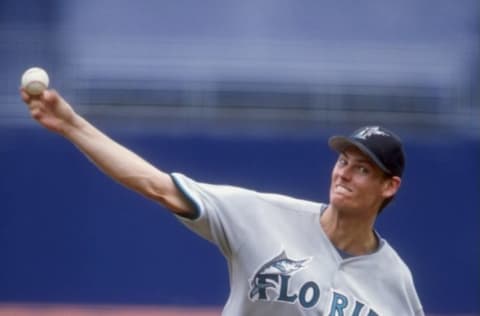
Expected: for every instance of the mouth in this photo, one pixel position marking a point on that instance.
(340, 188)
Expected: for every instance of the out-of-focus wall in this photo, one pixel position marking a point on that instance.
(411, 63)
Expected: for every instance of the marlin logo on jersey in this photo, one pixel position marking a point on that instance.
(369, 131)
(275, 275)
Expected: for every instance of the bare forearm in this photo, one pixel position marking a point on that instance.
(116, 161)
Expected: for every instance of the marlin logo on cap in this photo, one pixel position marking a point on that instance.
(369, 131)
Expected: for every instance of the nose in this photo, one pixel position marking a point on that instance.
(344, 173)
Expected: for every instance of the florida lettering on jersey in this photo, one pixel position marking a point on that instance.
(275, 275)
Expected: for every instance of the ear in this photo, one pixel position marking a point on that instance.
(391, 186)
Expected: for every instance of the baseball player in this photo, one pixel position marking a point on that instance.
(285, 256)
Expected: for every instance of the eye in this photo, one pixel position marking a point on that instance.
(342, 161)
(363, 169)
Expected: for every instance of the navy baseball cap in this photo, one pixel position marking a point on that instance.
(379, 144)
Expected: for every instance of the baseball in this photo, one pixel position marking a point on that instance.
(35, 80)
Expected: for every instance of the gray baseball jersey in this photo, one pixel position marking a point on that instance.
(282, 263)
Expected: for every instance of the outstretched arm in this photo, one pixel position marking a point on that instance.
(54, 113)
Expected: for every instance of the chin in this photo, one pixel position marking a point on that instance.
(339, 202)
(343, 203)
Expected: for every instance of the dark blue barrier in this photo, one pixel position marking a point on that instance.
(69, 234)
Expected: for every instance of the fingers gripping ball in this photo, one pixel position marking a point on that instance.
(35, 80)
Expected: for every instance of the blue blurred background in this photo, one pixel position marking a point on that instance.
(238, 92)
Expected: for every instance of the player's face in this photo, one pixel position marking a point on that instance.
(358, 185)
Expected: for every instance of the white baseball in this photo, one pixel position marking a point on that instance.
(35, 80)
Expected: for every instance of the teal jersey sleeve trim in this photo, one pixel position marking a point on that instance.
(192, 201)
